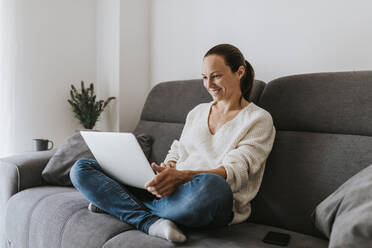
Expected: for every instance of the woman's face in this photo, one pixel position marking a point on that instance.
(219, 80)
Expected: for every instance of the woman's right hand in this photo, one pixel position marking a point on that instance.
(169, 164)
(166, 181)
(160, 168)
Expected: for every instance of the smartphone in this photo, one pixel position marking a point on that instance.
(277, 238)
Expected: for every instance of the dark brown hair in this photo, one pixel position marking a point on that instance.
(234, 59)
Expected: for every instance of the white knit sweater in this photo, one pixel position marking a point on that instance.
(241, 146)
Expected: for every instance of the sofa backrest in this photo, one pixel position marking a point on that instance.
(324, 129)
(166, 107)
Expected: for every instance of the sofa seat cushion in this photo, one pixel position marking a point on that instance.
(240, 235)
(52, 216)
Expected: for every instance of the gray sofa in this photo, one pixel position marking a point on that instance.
(324, 130)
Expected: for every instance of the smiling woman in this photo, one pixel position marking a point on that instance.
(220, 64)
(210, 174)
(7, 74)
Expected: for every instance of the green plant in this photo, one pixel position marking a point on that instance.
(87, 110)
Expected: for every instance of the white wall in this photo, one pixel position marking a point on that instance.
(108, 62)
(278, 37)
(7, 75)
(106, 42)
(135, 38)
(56, 47)
(123, 60)
(124, 45)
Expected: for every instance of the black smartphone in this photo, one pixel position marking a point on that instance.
(277, 238)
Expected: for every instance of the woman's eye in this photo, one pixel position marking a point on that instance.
(216, 76)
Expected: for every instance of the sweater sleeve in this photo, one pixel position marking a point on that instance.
(251, 152)
(173, 153)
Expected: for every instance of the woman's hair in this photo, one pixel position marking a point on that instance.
(234, 59)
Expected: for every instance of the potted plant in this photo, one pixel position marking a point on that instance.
(87, 110)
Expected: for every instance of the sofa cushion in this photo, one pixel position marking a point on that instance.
(302, 169)
(241, 235)
(163, 134)
(345, 216)
(58, 168)
(334, 102)
(51, 216)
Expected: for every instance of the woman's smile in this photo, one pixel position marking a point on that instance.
(216, 91)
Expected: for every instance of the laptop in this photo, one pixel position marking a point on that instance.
(120, 156)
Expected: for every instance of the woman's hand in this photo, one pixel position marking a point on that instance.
(167, 180)
(169, 164)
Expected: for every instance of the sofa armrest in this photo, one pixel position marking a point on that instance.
(19, 172)
(22, 171)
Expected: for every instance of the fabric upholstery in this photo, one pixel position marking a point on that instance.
(303, 169)
(256, 91)
(345, 216)
(163, 134)
(323, 137)
(242, 235)
(27, 166)
(337, 102)
(19, 172)
(52, 216)
(58, 168)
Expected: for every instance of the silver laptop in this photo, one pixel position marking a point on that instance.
(120, 156)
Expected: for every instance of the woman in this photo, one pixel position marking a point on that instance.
(211, 174)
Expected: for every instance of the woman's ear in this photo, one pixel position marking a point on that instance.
(241, 71)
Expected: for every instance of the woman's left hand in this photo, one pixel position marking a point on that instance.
(166, 181)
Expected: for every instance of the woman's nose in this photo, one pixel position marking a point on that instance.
(210, 83)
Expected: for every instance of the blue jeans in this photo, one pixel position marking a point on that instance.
(204, 202)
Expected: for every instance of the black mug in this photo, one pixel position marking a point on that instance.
(42, 144)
